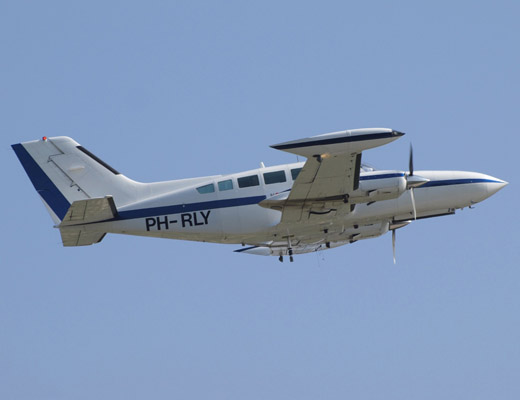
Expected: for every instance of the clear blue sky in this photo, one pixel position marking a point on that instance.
(165, 90)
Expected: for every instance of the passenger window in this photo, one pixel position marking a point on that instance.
(295, 172)
(225, 185)
(206, 189)
(274, 177)
(247, 181)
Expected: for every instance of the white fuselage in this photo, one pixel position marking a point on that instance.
(228, 213)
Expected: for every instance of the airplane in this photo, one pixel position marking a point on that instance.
(330, 200)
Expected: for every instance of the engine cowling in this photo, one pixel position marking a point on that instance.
(379, 186)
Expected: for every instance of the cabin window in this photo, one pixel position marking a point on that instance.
(295, 172)
(247, 181)
(206, 189)
(225, 185)
(274, 177)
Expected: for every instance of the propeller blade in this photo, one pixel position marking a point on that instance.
(410, 161)
(393, 243)
(413, 203)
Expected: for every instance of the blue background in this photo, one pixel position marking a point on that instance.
(165, 90)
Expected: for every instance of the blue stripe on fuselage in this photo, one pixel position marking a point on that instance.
(190, 207)
(449, 182)
(381, 176)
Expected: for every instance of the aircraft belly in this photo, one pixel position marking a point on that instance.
(248, 219)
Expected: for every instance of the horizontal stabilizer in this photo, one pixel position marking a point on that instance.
(83, 212)
(90, 210)
(80, 237)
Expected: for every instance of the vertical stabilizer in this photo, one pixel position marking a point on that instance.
(63, 172)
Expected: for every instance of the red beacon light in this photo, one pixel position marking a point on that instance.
(44, 138)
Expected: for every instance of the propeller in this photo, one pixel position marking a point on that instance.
(393, 243)
(393, 226)
(413, 181)
(410, 168)
(410, 161)
(413, 204)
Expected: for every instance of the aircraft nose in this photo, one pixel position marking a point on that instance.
(483, 186)
(494, 185)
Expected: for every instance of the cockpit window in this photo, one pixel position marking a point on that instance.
(225, 185)
(247, 181)
(274, 177)
(206, 189)
(295, 172)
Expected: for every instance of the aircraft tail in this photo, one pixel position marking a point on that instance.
(63, 173)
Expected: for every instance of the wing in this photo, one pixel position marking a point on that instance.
(329, 176)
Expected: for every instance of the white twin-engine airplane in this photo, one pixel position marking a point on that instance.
(328, 201)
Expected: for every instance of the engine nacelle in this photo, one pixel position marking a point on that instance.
(366, 231)
(379, 186)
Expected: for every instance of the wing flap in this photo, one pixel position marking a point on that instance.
(321, 189)
(335, 177)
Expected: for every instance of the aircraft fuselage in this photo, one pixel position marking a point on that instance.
(235, 216)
